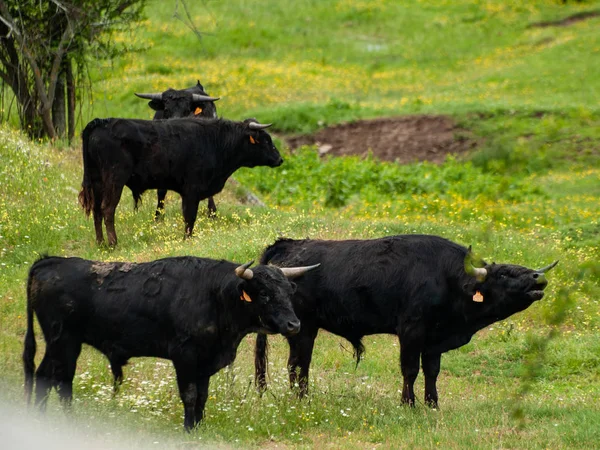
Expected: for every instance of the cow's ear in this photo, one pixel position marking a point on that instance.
(156, 105)
(245, 297)
(253, 140)
(243, 293)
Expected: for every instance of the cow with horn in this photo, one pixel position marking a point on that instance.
(192, 157)
(430, 292)
(178, 103)
(192, 311)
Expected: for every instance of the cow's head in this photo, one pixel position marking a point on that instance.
(500, 290)
(173, 103)
(267, 292)
(259, 149)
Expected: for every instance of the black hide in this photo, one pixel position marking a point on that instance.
(412, 286)
(189, 310)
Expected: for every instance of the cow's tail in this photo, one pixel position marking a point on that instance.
(86, 196)
(260, 362)
(29, 345)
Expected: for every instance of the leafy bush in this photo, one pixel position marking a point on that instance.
(307, 179)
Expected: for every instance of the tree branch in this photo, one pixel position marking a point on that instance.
(10, 26)
(62, 49)
(30, 59)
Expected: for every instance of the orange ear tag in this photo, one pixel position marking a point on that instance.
(478, 297)
(245, 297)
(252, 141)
(197, 111)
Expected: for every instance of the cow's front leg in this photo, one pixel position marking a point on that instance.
(189, 205)
(212, 208)
(431, 369)
(301, 348)
(409, 364)
(188, 391)
(161, 194)
(202, 389)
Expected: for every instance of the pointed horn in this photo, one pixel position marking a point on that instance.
(259, 126)
(243, 271)
(294, 272)
(150, 96)
(204, 98)
(478, 272)
(547, 268)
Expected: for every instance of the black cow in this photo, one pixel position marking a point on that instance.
(178, 103)
(172, 103)
(193, 311)
(424, 289)
(188, 156)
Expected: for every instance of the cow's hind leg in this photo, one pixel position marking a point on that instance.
(161, 194)
(431, 369)
(44, 381)
(97, 212)
(301, 348)
(66, 363)
(109, 206)
(409, 364)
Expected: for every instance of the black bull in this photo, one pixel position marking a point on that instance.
(192, 157)
(193, 311)
(178, 103)
(424, 289)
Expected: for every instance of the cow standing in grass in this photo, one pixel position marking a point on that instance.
(424, 289)
(193, 311)
(192, 157)
(174, 104)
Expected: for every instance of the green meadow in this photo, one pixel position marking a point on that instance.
(529, 193)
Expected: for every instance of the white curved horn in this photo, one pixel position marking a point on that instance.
(243, 271)
(293, 272)
(259, 126)
(204, 98)
(150, 96)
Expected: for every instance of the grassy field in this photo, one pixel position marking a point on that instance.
(529, 194)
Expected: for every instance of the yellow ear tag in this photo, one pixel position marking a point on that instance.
(245, 297)
(198, 111)
(478, 297)
(252, 141)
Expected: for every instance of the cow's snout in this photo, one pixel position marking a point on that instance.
(280, 162)
(293, 327)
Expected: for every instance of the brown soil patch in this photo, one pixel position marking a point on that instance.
(578, 17)
(403, 139)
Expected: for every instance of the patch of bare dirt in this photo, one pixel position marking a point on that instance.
(403, 139)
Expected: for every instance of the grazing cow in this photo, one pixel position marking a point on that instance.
(172, 103)
(193, 311)
(188, 156)
(424, 289)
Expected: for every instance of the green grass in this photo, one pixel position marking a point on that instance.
(529, 195)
